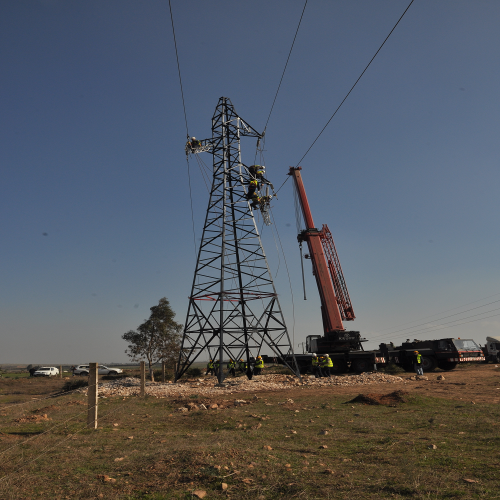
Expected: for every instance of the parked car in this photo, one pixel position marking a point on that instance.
(103, 370)
(46, 371)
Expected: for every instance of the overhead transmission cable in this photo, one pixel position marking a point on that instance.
(355, 83)
(185, 120)
(286, 64)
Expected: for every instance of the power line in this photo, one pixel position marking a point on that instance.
(185, 120)
(288, 58)
(178, 66)
(355, 83)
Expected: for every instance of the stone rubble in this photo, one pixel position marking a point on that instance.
(205, 387)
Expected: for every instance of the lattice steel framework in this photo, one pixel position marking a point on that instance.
(233, 308)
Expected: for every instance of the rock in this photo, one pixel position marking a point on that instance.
(293, 432)
(247, 480)
(213, 406)
(119, 459)
(323, 447)
(115, 425)
(421, 377)
(432, 447)
(328, 471)
(202, 407)
(130, 437)
(440, 377)
(224, 486)
(182, 410)
(470, 480)
(200, 493)
(323, 433)
(106, 479)
(268, 448)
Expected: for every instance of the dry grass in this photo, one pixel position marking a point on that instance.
(144, 449)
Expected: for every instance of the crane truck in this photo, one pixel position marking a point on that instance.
(345, 347)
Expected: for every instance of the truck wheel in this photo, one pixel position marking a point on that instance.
(428, 364)
(339, 366)
(447, 365)
(362, 365)
(113, 373)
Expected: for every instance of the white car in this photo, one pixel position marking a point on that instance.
(46, 371)
(102, 370)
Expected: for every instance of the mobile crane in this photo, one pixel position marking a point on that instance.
(344, 347)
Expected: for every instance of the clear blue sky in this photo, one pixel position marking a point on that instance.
(95, 213)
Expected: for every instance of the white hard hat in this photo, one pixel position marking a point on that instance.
(314, 354)
(327, 355)
(193, 138)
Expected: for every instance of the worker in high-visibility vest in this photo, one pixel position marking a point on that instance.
(231, 366)
(255, 201)
(252, 187)
(259, 365)
(326, 366)
(316, 368)
(216, 367)
(417, 363)
(242, 366)
(210, 368)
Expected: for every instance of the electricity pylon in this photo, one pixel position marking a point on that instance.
(233, 308)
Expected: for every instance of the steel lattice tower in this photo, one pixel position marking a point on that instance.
(233, 308)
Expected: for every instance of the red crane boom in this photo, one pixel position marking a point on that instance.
(335, 301)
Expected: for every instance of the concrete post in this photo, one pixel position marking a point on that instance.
(92, 396)
(163, 370)
(60, 371)
(143, 379)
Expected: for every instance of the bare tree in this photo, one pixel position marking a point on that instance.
(157, 339)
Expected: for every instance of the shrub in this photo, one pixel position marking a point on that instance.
(75, 383)
(194, 372)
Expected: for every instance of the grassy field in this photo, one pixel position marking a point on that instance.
(424, 448)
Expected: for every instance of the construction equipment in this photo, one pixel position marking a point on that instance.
(491, 350)
(344, 347)
(442, 353)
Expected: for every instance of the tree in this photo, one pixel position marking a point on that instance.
(157, 339)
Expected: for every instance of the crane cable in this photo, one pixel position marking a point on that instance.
(355, 83)
(185, 120)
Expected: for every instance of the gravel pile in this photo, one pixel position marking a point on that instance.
(207, 386)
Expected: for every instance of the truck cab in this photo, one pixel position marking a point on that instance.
(492, 350)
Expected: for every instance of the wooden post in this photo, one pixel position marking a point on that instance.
(60, 371)
(143, 379)
(92, 396)
(163, 369)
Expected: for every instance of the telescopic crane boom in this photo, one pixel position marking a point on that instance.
(336, 304)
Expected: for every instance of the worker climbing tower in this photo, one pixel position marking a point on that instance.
(234, 311)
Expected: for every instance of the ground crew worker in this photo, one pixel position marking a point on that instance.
(417, 363)
(259, 365)
(216, 367)
(231, 367)
(242, 366)
(210, 368)
(316, 369)
(326, 366)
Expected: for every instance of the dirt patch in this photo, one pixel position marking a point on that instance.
(32, 419)
(390, 399)
(75, 402)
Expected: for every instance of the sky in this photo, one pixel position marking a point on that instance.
(96, 222)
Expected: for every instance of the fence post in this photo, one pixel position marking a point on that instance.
(60, 371)
(163, 369)
(143, 379)
(92, 396)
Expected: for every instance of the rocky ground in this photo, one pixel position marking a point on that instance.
(209, 387)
